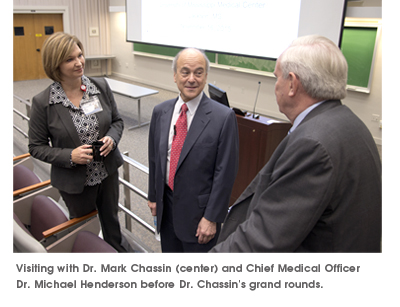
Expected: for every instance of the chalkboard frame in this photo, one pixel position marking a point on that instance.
(367, 24)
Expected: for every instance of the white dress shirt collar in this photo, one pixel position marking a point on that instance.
(191, 104)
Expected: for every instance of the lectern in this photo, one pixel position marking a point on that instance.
(258, 139)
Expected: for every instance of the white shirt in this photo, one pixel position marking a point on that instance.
(192, 107)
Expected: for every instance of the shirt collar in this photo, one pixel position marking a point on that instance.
(303, 114)
(57, 94)
(191, 104)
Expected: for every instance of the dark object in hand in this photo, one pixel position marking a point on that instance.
(96, 151)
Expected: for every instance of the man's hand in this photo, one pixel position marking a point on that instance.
(206, 231)
(152, 207)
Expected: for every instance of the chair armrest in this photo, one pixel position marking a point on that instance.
(25, 159)
(31, 188)
(20, 157)
(70, 223)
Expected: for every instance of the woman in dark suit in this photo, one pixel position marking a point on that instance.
(73, 113)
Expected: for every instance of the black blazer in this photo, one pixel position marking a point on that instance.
(54, 123)
(206, 169)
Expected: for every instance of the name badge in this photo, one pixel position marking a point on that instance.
(91, 105)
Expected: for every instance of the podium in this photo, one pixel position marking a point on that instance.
(258, 139)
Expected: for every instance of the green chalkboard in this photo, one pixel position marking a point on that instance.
(246, 62)
(358, 46)
(155, 49)
(164, 50)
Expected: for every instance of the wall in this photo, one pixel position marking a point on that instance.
(241, 87)
(81, 16)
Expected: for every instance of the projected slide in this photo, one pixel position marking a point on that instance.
(255, 28)
(219, 24)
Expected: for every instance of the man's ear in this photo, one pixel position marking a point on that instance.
(293, 83)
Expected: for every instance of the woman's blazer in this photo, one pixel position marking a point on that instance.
(53, 136)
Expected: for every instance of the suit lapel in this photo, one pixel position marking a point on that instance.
(260, 182)
(200, 121)
(165, 123)
(102, 117)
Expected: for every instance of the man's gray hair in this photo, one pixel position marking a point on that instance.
(319, 64)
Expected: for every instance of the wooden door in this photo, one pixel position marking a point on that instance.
(30, 32)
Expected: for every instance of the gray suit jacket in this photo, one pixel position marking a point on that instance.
(54, 123)
(206, 169)
(320, 192)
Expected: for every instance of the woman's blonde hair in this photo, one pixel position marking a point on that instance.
(56, 50)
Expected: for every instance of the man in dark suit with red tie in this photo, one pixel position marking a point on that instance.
(193, 160)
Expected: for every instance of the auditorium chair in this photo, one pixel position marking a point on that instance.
(24, 178)
(88, 242)
(83, 241)
(41, 224)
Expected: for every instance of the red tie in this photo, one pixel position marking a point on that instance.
(177, 144)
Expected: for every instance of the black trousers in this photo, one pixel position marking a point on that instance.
(170, 243)
(103, 197)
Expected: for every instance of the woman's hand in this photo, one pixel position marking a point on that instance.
(107, 147)
(82, 154)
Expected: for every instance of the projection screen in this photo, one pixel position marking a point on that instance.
(251, 28)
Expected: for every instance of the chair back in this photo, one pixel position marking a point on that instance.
(23, 241)
(24, 177)
(88, 242)
(45, 214)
